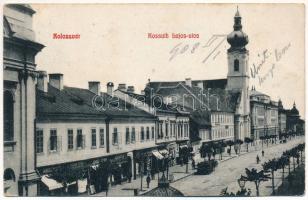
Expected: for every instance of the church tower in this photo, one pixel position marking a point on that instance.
(238, 75)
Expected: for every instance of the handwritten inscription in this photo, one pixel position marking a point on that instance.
(263, 69)
(212, 45)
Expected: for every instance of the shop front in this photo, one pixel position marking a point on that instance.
(90, 176)
(148, 161)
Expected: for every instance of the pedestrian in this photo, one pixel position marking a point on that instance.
(258, 159)
(193, 163)
(262, 153)
(148, 181)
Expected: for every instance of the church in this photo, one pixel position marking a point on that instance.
(226, 113)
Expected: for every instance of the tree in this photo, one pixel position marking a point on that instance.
(271, 166)
(247, 140)
(282, 162)
(301, 148)
(257, 177)
(206, 150)
(294, 154)
(262, 138)
(239, 142)
(230, 143)
(287, 154)
(221, 146)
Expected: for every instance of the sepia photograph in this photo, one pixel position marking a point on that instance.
(153, 100)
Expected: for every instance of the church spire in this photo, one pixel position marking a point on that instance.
(237, 21)
(237, 38)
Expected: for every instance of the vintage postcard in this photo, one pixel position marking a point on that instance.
(159, 100)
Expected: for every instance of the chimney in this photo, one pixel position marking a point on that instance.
(42, 83)
(95, 87)
(188, 82)
(56, 80)
(122, 86)
(131, 89)
(110, 88)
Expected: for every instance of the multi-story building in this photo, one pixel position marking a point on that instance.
(19, 74)
(264, 115)
(80, 129)
(292, 119)
(172, 127)
(282, 119)
(211, 111)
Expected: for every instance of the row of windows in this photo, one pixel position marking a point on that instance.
(221, 118)
(221, 133)
(179, 129)
(54, 142)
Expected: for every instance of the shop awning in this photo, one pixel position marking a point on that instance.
(157, 155)
(51, 183)
(164, 152)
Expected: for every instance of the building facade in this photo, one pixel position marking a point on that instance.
(19, 74)
(264, 115)
(82, 130)
(282, 119)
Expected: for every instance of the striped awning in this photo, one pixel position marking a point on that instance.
(164, 152)
(51, 183)
(157, 154)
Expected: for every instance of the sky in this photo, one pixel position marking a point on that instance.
(114, 44)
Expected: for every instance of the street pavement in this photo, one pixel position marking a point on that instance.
(227, 173)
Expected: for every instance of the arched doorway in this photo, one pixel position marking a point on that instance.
(9, 181)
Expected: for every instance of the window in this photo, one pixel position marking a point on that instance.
(80, 139)
(70, 139)
(153, 133)
(8, 116)
(39, 141)
(166, 127)
(93, 137)
(142, 133)
(101, 137)
(53, 140)
(133, 139)
(115, 136)
(148, 133)
(127, 136)
(236, 65)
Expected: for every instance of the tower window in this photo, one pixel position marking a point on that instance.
(236, 65)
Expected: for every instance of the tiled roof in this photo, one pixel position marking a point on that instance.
(164, 192)
(76, 103)
(193, 98)
(215, 83)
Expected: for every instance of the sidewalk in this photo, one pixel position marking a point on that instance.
(179, 172)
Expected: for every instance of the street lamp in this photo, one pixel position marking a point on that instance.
(241, 182)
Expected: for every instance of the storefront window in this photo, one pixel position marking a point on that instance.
(39, 141)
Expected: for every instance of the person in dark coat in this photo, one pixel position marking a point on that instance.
(148, 181)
